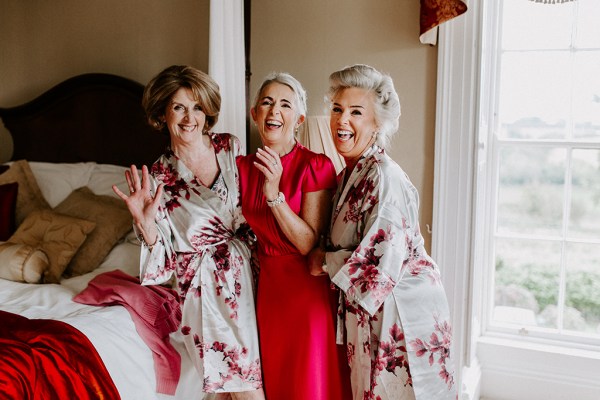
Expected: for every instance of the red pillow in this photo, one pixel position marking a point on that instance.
(8, 202)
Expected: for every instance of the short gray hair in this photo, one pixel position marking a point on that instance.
(288, 80)
(387, 102)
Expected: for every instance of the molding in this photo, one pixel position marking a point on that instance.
(471, 381)
(453, 196)
(513, 370)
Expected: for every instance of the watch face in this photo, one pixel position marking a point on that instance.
(280, 199)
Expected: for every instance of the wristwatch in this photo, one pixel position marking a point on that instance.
(277, 201)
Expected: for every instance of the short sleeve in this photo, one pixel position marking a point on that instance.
(320, 174)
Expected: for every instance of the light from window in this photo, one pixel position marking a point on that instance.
(546, 157)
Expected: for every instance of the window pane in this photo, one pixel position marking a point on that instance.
(582, 311)
(584, 221)
(586, 95)
(527, 282)
(531, 190)
(521, 29)
(530, 107)
(588, 29)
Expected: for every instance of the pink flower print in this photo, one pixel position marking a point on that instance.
(391, 354)
(199, 345)
(355, 262)
(415, 261)
(245, 234)
(214, 233)
(359, 194)
(364, 265)
(221, 142)
(446, 376)
(419, 347)
(235, 364)
(381, 236)
(233, 304)
(185, 275)
(438, 346)
(173, 184)
(350, 352)
(370, 281)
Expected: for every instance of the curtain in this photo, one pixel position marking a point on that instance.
(315, 134)
(226, 64)
(436, 12)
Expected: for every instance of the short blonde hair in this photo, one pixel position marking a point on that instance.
(387, 102)
(160, 90)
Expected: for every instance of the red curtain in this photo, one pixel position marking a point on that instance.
(436, 12)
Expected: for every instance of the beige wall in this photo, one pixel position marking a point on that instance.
(312, 38)
(44, 42)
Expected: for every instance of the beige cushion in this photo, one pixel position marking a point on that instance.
(59, 236)
(112, 219)
(29, 197)
(22, 263)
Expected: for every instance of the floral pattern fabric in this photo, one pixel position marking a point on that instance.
(393, 308)
(203, 247)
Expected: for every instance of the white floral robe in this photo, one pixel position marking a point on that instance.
(203, 245)
(393, 305)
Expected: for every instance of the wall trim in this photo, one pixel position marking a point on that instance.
(536, 371)
(453, 195)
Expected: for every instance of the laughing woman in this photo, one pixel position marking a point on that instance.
(286, 198)
(393, 305)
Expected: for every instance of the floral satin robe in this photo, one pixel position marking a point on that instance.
(203, 245)
(393, 306)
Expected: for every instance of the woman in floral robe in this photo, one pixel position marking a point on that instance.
(188, 208)
(393, 309)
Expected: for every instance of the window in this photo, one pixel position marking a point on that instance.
(517, 173)
(544, 170)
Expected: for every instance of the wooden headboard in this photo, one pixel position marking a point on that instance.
(91, 117)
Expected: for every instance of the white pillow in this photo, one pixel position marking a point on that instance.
(58, 180)
(104, 176)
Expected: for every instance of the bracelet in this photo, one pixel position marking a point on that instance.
(144, 243)
(277, 201)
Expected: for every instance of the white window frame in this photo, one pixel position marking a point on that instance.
(490, 365)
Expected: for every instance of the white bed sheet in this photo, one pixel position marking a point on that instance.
(110, 329)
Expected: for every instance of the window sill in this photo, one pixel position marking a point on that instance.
(515, 368)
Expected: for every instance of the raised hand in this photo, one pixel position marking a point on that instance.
(270, 166)
(140, 202)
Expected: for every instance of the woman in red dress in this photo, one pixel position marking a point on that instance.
(286, 194)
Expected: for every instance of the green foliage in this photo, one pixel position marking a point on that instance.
(583, 287)
(536, 278)
(583, 293)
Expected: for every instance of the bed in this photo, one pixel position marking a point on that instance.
(62, 227)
